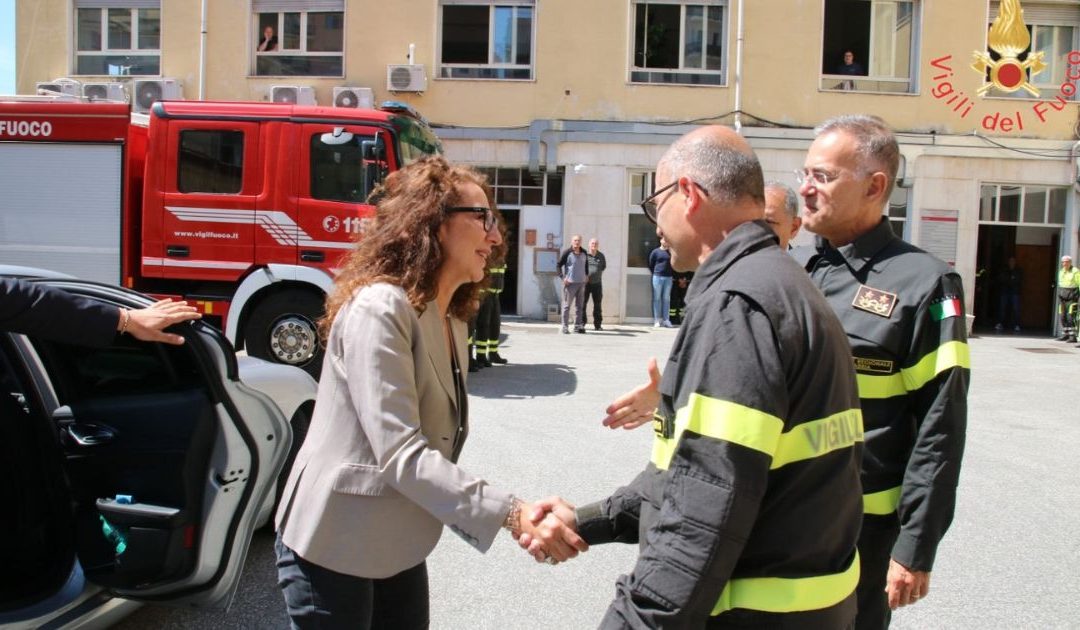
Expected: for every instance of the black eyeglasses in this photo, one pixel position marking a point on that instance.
(489, 216)
(651, 208)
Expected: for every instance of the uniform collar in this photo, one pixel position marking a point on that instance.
(862, 251)
(748, 237)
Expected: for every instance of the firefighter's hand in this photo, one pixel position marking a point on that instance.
(635, 408)
(904, 586)
(147, 324)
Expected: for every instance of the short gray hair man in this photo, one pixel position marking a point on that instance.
(782, 211)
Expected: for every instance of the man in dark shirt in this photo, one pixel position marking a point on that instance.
(594, 288)
(1010, 282)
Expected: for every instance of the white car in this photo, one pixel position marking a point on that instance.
(136, 472)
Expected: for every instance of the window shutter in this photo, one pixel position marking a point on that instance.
(503, 3)
(1060, 13)
(274, 6)
(117, 4)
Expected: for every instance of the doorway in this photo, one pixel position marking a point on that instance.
(1035, 250)
(508, 300)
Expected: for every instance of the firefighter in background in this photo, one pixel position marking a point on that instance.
(680, 282)
(1068, 292)
(489, 318)
(474, 365)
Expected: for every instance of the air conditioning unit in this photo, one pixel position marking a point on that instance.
(67, 87)
(104, 92)
(295, 94)
(354, 97)
(149, 91)
(406, 78)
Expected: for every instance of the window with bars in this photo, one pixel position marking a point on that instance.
(514, 186)
(118, 41)
(1023, 205)
(486, 40)
(679, 42)
(300, 43)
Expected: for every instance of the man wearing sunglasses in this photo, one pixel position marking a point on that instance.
(749, 510)
(903, 311)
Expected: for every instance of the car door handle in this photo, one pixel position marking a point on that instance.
(90, 434)
(179, 251)
(309, 255)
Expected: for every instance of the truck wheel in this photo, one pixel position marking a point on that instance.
(282, 329)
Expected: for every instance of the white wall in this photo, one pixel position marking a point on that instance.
(535, 290)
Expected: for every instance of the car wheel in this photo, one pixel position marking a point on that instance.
(283, 329)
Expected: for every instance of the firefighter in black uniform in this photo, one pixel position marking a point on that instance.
(489, 317)
(749, 510)
(903, 311)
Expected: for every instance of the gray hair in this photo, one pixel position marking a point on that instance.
(874, 141)
(791, 201)
(727, 173)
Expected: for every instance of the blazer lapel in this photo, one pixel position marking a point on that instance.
(435, 340)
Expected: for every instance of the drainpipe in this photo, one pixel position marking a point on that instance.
(202, 53)
(738, 69)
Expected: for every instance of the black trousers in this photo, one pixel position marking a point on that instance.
(488, 325)
(596, 293)
(876, 540)
(318, 598)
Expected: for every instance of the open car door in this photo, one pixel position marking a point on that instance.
(168, 456)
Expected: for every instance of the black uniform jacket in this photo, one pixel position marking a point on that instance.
(903, 311)
(750, 508)
(42, 311)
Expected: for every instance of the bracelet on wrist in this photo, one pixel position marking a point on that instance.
(125, 316)
(512, 521)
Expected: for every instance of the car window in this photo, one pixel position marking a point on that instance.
(126, 367)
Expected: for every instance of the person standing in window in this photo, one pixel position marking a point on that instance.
(660, 267)
(849, 66)
(377, 475)
(268, 41)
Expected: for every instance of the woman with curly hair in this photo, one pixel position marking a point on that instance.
(376, 479)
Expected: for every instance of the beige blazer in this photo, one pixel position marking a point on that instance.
(375, 479)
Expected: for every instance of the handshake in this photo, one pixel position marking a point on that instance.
(547, 530)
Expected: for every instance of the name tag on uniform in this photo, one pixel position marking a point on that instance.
(663, 426)
(874, 301)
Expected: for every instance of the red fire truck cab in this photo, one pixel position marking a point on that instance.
(244, 209)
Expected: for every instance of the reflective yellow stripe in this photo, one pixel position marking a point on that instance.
(723, 420)
(880, 386)
(949, 355)
(818, 437)
(881, 503)
(785, 595)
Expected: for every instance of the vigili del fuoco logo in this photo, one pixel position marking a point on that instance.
(1012, 71)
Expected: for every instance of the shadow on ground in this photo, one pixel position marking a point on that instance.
(510, 381)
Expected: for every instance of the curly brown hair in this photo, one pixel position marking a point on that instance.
(401, 247)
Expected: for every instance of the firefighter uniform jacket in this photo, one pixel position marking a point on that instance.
(750, 508)
(903, 311)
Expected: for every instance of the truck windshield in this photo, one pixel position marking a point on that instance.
(346, 169)
(415, 139)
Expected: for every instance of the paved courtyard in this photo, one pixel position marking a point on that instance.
(1010, 560)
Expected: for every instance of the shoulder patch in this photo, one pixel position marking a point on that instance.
(946, 307)
(874, 301)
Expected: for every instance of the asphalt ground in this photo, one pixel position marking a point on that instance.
(1011, 559)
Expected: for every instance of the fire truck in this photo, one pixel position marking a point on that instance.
(242, 209)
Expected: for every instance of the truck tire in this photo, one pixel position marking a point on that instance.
(283, 329)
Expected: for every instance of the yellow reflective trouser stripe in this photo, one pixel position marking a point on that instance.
(818, 437)
(723, 420)
(785, 595)
(948, 355)
(881, 503)
(760, 431)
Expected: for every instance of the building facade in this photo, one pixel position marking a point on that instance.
(568, 105)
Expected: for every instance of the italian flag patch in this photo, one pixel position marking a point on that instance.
(949, 307)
